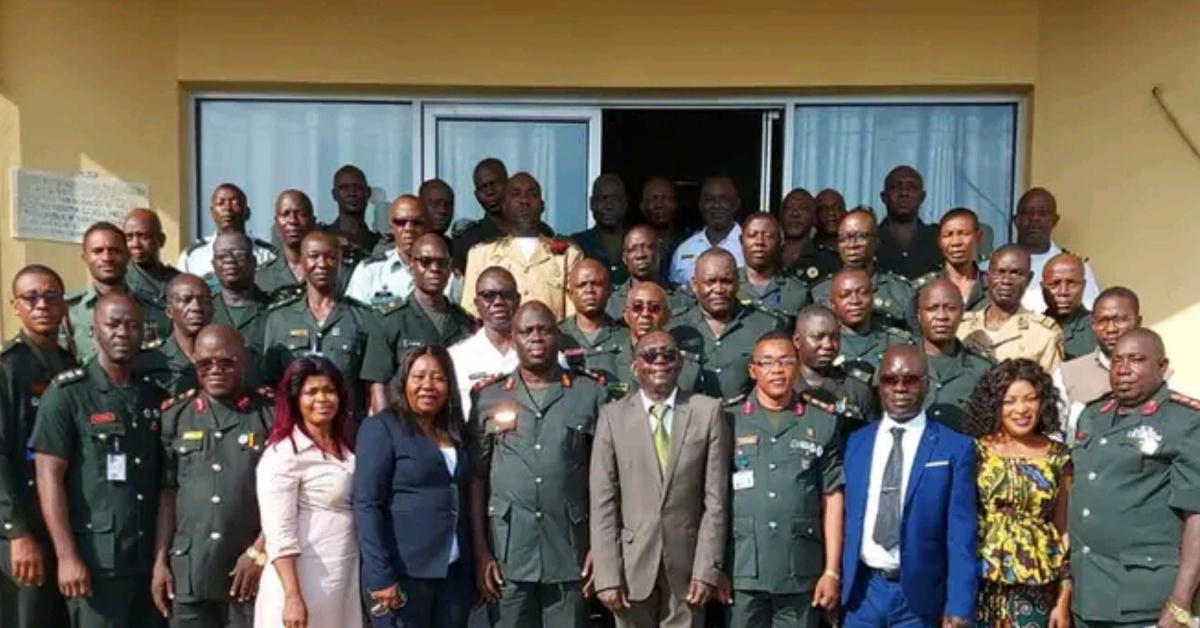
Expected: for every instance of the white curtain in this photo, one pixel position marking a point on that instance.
(965, 152)
(266, 147)
(554, 152)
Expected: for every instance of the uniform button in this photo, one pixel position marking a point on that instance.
(717, 370)
(139, 497)
(537, 515)
(537, 480)
(1092, 475)
(717, 343)
(88, 526)
(216, 499)
(137, 461)
(537, 446)
(216, 536)
(216, 467)
(937, 385)
(8, 526)
(538, 414)
(1103, 441)
(771, 495)
(1087, 550)
(217, 435)
(1087, 513)
(771, 525)
(773, 439)
(771, 466)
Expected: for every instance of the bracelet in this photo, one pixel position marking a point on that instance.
(259, 558)
(1178, 613)
(829, 573)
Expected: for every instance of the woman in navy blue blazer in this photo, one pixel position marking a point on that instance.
(415, 461)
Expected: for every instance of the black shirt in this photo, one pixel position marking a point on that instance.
(922, 255)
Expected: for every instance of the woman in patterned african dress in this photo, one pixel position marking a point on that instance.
(1023, 478)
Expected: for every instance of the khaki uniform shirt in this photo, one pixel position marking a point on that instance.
(1024, 335)
(540, 277)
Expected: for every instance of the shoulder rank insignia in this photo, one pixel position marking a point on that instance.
(11, 344)
(588, 373)
(285, 296)
(1185, 400)
(811, 400)
(387, 307)
(900, 333)
(66, 377)
(177, 399)
(151, 345)
(488, 380)
(733, 401)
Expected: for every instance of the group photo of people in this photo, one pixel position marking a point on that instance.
(817, 415)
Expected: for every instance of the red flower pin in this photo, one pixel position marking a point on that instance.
(559, 247)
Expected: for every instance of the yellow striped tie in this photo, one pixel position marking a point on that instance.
(662, 440)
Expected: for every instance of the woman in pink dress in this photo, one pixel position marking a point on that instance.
(304, 493)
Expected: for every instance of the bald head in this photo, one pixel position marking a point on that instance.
(716, 257)
(143, 236)
(318, 238)
(1147, 340)
(903, 354)
(903, 192)
(143, 216)
(939, 312)
(647, 290)
(185, 280)
(430, 244)
(215, 337)
(499, 275)
(537, 337)
(936, 290)
(587, 265)
(656, 338)
(1063, 283)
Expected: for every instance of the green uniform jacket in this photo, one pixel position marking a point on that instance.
(165, 364)
(25, 373)
(783, 296)
(592, 245)
(861, 353)
(94, 425)
(952, 379)
(895, 300)
(212, 450)
(780, 474)
(1137, 476)
(275, 278)
(149, 287)
(976, 300)
(815, 263)
(80, 306)
(1078, 336)
(611, 358)
(351, 337)
(677, 299)
(407, 325)
(536, 456)
(853, 400)
(725, 360)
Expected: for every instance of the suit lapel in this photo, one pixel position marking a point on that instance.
(924, 451)
(680, 423)
(640, 440)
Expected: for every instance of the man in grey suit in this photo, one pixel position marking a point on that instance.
(659, 483)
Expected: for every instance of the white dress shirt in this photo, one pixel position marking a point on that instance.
(450, 455)
(476, 358)
(668, 417)
(380, 281)
(198, 260)
(1033, 299)
(872, 554)
(683, 262)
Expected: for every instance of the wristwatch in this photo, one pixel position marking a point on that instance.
(259, 558)
(1180, 614)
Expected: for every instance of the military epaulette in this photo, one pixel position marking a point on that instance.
(285, 296)
(590, 374)
(1045, 321)
(388, 307)
(902, 334)
(920, 282)
(811, 400)
(733, 401)
(11, 344)
(171, 402)
(978, 352)
(1185, 400)
(896, 276)
(69, 376)
(488, 381)
(151, 345)
(76, 297)
(263, 244)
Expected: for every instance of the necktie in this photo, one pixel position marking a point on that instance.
(662, 440)
(891, 497)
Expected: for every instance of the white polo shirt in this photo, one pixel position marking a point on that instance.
(683, 262)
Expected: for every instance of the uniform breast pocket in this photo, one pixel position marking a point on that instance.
(105, 438)
(188, 450)
(578, 441)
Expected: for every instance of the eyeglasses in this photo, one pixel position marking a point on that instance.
(426, 261)
(205, 365)
(653, 308)
(665, 355)
(231, 255)
(910, 381)
(490, 296)
(770, 363)
(51, 297)
(401, 223)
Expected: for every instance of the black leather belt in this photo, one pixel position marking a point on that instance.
(892, 575)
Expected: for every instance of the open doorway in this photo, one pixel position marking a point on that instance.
(687, 145)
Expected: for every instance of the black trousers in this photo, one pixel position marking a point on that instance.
(205, 614)
(30, 607)
(443, 602)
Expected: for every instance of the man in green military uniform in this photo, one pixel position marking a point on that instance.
(800, 255)
(98, 458)
(1135, 507)
(818, 340)
(107, 258)
(168, 362)
(147, 275)
(352, 234)
(29, 596)
(209, 549)
(864, 338)
(1063, 282)
(530, 510)
(893, 299)
(237, 302)
(318, 321)
(721, 331)
(954, 368)
(426, 316)
(284, 273)
(763, 282)
(787, 497)
(958, 238)
(605, 241)
(641, 262)
(589, 335)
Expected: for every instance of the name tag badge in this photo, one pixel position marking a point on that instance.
(116, 467)
(743, 480)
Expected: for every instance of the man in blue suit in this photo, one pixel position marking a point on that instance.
(909, 560)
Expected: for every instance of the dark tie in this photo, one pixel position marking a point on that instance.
(891, 497)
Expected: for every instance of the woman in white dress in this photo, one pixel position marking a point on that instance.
(304, 493)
